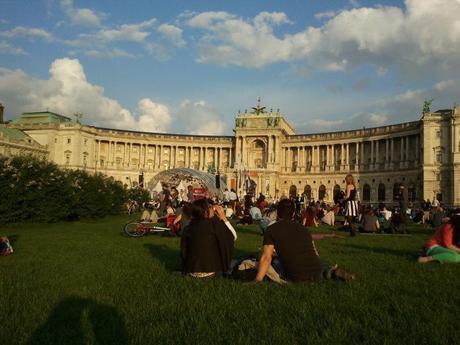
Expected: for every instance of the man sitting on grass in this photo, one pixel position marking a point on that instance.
(298, 257)
(207, 243)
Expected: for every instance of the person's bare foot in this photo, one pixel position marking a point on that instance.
(424, 259)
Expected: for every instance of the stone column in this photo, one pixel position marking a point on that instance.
(129, 153)
(387, 153)
(347, 156)
(363, 149)
(160, 158)
(230, 158)
(377, 155)
(401, 161)
(372, 155)
(215, 159)
(392, 154)
(407, 152)
(98, 162)
(417, 149)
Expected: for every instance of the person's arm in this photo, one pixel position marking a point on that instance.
(221, 215)
(177, 219)
(265, 261)
(377, 224)
(347, 193)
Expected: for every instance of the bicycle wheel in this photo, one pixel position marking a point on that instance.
(135, 229)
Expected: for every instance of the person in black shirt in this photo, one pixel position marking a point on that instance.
(295, 249)
(207, 243)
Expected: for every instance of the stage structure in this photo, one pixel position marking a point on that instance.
(265, 155)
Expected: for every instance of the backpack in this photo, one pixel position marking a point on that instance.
(5, 247)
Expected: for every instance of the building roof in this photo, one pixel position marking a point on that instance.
(40, 117)
(15, 135)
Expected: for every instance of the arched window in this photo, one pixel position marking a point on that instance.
(321, 192)
(292, 191)
(366, 192)
(307, 191)
(381, 192)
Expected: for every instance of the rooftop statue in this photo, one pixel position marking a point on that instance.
(426, 105)
(258, 109)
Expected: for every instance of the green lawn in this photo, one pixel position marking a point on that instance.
(86, 283)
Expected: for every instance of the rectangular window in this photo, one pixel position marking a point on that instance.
(69, 140)
(439, 157)
(438, 133)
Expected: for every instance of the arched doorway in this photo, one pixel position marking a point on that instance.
(336, 193)
(307, 192)
(366, 192)
(292, 191)
(396, 189)
(321, 192)
(381, 192)
(411, 193)
(257, 154)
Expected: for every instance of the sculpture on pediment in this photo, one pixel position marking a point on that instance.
(258, 109)
(426, 105)
(270, 121)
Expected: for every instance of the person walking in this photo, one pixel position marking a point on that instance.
(351, 206)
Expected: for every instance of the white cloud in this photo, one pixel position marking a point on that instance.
(6, 48)
(199, 118)
(31, 33)
(355, 121)
(325, 15)
(81, 16)
(153, 116)
(173, 34)
(137, 33)
(424, 36)
(108, 53)
(68, 91)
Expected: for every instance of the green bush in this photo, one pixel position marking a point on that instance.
(33, 189)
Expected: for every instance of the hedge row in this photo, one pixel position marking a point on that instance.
(37, 190)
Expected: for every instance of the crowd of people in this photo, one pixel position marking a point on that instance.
(207, 235)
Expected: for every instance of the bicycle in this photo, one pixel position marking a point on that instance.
(139, 229)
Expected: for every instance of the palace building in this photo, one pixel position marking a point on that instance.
(265, 154)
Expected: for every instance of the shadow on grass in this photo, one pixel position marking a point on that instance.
(77, 320)
(169, 257)
(409, 255)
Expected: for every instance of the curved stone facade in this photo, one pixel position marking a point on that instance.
(265, 153)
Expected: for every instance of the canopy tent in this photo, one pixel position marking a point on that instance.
(183, 177)
(158, 187)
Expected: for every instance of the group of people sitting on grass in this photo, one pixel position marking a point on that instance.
(289, 252)
(288, 248)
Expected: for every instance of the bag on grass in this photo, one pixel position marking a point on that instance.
(5, 247)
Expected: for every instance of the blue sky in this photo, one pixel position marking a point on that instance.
(189, 66)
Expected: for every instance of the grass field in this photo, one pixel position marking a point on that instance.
(86, 283)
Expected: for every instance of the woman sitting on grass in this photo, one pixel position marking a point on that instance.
(207, 243)
(443, 246)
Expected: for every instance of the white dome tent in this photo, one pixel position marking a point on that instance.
(181, 178)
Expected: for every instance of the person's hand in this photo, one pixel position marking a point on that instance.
(219, 210)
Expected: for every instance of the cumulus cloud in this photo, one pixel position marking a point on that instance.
(108, 53)
(27, 32)
(137, 32)
(68, 91)
(172, 33)
(200, 118)
(422, 35)
(81, 16)
(355, 121)
(6, 48)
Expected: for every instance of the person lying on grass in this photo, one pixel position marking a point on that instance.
(207, 243)
(297, 258)
(443, 246)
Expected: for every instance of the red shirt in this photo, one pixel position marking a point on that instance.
(442, 237)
